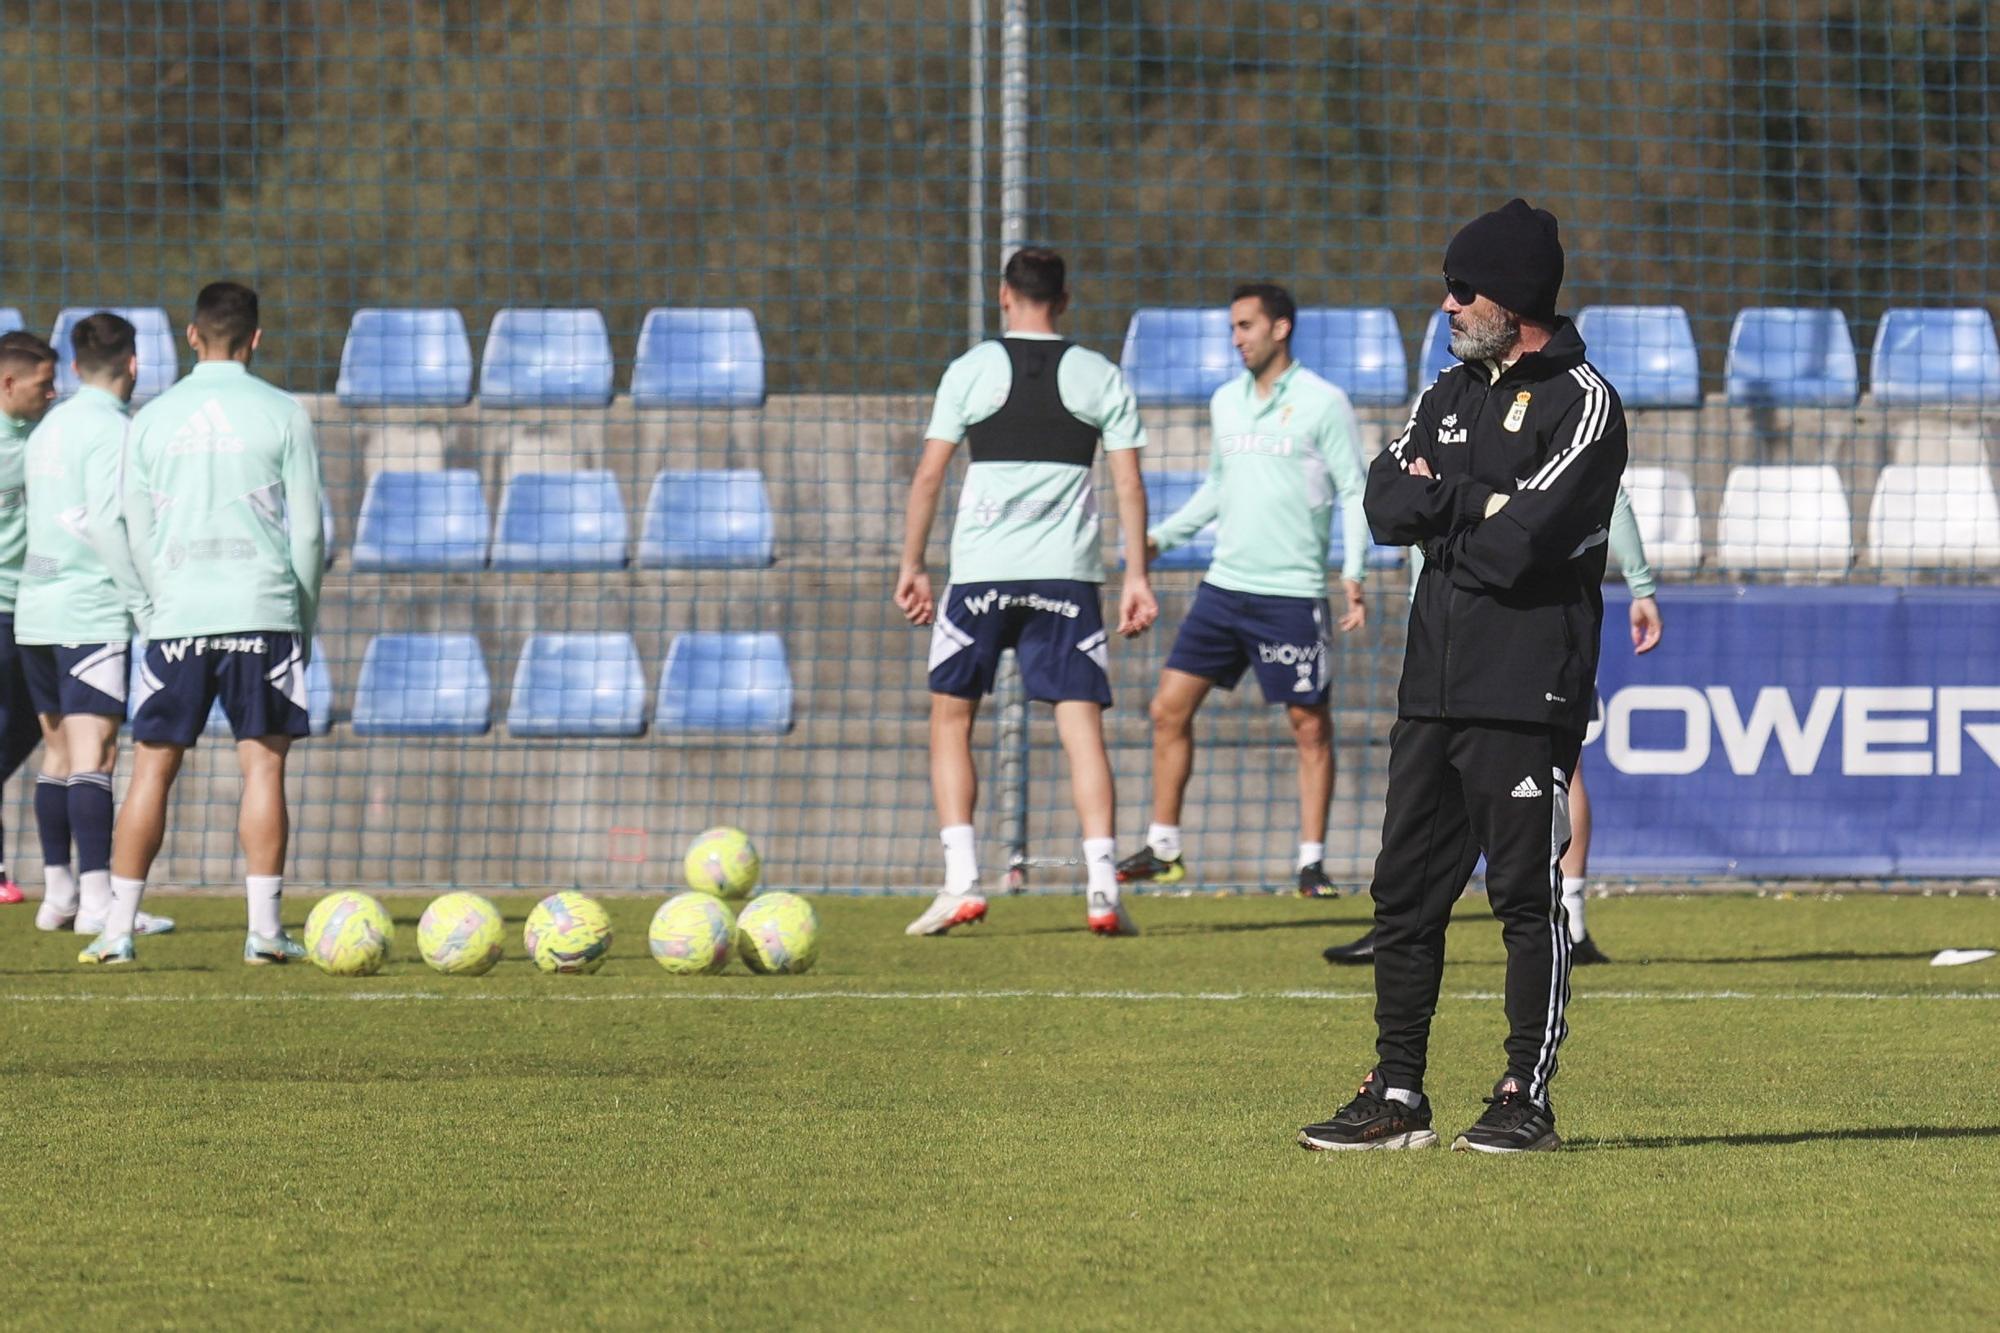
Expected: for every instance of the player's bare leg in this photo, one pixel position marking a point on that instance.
(1175, 702)
(90, 749)
(263, 823)
(1080, 724)
(263, 829)
(135, 844)
(1312, 731)
(955, 791)
(1576, 874)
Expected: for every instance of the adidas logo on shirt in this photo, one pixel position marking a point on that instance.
(1526, 789)
(206, 432)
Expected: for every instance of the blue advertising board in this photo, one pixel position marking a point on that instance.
(1849, 731)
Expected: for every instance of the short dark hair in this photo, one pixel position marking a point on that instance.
(103, 342)
(226, 314)
(1277, 302)
(22, 350)
(1037, 274)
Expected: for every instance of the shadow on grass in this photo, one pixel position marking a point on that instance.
(144, 967)
(1828, 956)
(1237, 927)
(1226, 928)
(1882, 1133)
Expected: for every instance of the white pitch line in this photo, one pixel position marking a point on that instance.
(798, 997)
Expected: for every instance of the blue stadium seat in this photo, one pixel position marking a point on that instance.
(578, 685)
(1646, 352)
(10, 319)
(1361, 350)
(423, 685)
(1379, 556)
(422, 521)
(546, 358)
(1781, 357)
(1436, 357)
(1931, 357)
(725, 682)
(708, 518)
(405, 358)
(159, 349)
(1165, 493)
(1178, 355)
(561, 520)
(692, 357)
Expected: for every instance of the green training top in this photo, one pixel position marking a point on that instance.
(1030, 520)
(13, 507)
(1276, 466)
(1627, 548)
(68, 595)
(222, 504)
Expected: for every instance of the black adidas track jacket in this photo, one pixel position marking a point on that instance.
(1507, 614)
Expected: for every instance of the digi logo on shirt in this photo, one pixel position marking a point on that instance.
(1270, 446)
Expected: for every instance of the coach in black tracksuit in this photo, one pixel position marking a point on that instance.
(1505, 475)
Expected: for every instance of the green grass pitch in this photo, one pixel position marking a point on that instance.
(1778, 1116)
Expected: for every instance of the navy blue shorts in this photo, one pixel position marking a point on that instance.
(260, 677)
(84, 678)
(1054, 626)
(1284, 638)
(20, 730)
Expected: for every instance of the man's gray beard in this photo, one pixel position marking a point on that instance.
(1486, 340)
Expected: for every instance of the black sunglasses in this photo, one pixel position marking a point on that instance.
(1459, 290)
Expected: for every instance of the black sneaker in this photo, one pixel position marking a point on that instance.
(1585, 952)
(1512, 1123)
(1360, 951)
(1372, 1121)
(1142, 867)
(1313, 883)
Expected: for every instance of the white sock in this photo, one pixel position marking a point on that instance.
(124, 908)
(1165, 840)
(1406, 1096)
(264, 893)
(1573, 886)
(95, 895)
(1100, 862)
(1311, 854)
(59, 889)
(961, 859)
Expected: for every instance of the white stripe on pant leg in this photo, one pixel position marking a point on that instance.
(1554, 1028)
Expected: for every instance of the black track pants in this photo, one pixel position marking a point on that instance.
(1457, 789)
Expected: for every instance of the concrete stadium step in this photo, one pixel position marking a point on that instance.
(422, 812)
(851, 652)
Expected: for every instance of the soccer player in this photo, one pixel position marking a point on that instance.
(1629, 550)
(217, 467)
(1506, 473)
(1026, 568)
(74, 625)
(1286, 444)
(27, 387)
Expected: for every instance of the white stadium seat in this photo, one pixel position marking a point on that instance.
(1786, 518)
(1928, 516)
(1663, 502)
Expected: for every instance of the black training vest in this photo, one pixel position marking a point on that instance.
(1033, 426)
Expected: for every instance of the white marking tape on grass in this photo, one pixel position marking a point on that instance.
(335, 996)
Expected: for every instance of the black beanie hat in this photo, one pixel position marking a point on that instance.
(1512, 257)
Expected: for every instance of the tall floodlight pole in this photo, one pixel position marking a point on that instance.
(975, 171)
(1012, 736)
(1013, 127)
